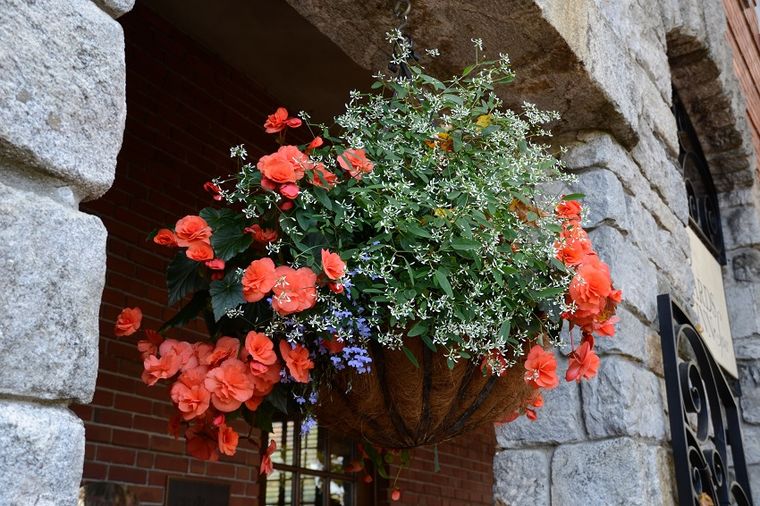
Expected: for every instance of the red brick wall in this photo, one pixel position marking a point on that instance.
(745, 40)
(466, 475)
(185, 109)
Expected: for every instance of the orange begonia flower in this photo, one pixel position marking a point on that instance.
(290, 191)
(583, 363)
(230, 385)
(297, 360)
(265, 377)
(266, 459)
(159, 368)
(541, 368)
(294, 290)
(165, 237)
(258, 279)
(200, 251)
(128, 322)
(216, 264)
(569, 210)
(322, 177)
(226, 347)
(287, 165)
(315, 143)
(591, 285)
(182, 350)
(355, 162)
(332, 265)
(192, 229)
(261, 235)
(228, 439)
(261, 348)
(190, 394)
(149, 346)
(279, 121)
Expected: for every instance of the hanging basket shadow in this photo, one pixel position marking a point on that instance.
(398, 405)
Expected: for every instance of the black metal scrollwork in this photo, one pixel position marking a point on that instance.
(704, 214)
(704, 417)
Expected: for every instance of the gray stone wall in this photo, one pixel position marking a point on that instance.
(62, 111)
(605, 442)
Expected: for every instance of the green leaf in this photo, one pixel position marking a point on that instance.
(188, 312)
(376, 85)
(398, 89)
(548, 292)
(321, 195)
(182, 277)
(419, 329)
(462, 244)
(429, 343)
(456, 99)
(456, 138)
(558, 265)
(573, 196)
(279, 399)
(441, 277)
(417, 230)
(226, 294)
(464, 225)
(450, 363)
(411, 357)
(228, 238)
(505, 328)
(304, 221)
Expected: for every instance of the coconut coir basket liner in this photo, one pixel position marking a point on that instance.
(398, 405)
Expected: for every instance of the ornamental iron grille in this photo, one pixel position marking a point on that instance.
(704, 418)
(704, 214)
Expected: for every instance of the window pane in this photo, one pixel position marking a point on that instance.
(341, 493)
(312, 449)
(340, 453)
(311, 491)
(282, 432)
(279, 488)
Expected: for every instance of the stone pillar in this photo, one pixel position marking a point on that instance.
(739, 211)
(62, 112)
(610, 432)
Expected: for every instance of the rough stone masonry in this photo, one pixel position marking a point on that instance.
(62, 111)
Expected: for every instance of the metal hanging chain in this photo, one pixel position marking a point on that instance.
(401, 11)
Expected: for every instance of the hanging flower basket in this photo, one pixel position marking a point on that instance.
(400, 405)
(402, 275)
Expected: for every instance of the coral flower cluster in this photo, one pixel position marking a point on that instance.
(592, 300)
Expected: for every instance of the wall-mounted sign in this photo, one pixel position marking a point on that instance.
(710, 305)
(184, 492)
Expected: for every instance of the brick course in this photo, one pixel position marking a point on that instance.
(185, 109)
